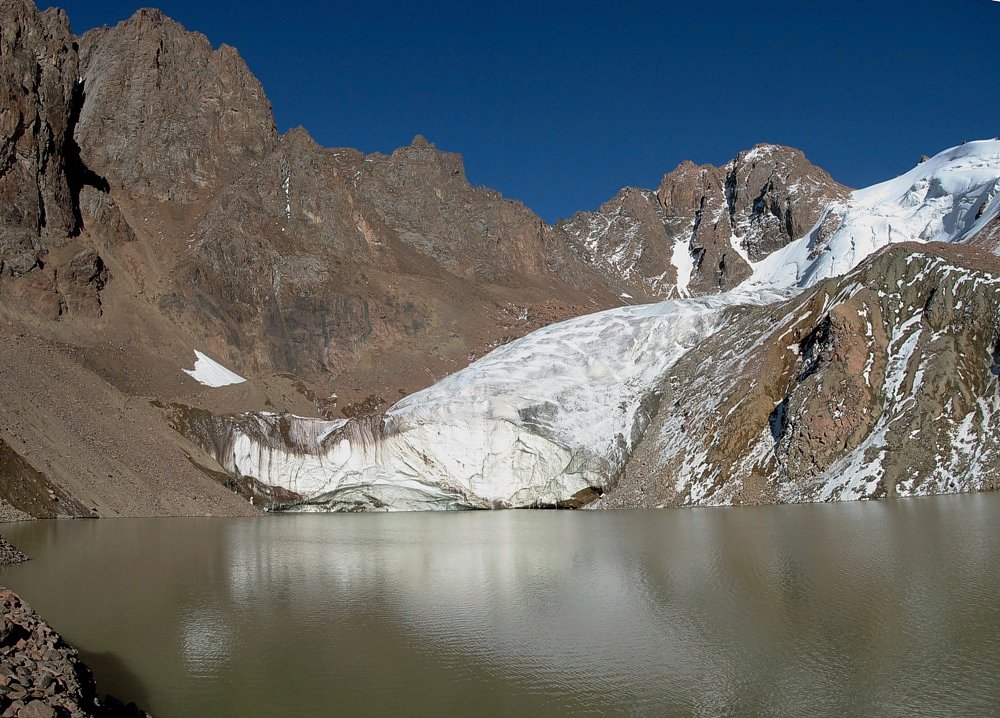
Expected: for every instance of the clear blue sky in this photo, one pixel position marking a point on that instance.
(559, 104)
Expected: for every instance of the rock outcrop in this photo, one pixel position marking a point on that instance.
(38, 96)
(704, 226)
(879, 383)
(42, 176)
(166, 117)
(42, 676)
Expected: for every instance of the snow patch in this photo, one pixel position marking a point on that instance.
(209, 372)
(684, 264)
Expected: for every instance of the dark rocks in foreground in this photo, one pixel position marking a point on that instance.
(42, 676)
(9, 553)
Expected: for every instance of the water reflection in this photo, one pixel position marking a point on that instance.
(881, 608)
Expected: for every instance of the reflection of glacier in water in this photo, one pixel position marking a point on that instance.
(884, 608)
(698, 612)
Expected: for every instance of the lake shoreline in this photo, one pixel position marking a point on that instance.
(41, 675)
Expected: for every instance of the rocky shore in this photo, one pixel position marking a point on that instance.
(9, 553)
(42, 676)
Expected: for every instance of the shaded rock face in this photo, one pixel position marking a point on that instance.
(699, 232)
(38, 67)
(879, 383)
(42, 177)
(38, 72)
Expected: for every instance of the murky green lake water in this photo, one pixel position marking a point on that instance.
(883, 609)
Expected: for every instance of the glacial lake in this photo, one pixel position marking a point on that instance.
(880, 608)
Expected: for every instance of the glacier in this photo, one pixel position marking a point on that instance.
(557, 413)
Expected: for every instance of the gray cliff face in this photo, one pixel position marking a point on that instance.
(700, 230)
(879, 383)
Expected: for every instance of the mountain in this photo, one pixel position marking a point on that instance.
(800, 384)
(180, 283)
(152, 211)
(700, 232)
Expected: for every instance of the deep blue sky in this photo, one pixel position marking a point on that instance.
(560, 104)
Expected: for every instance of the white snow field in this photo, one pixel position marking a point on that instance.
(211, 373)
(560, 410)
(936, 201)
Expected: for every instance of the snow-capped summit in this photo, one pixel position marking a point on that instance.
(947, 198)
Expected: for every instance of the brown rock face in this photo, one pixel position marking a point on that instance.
(316, 261)
(877, 383)
(837, 397)
(630, 239)
(38, 72)
(716, 218)
(166, 117)
(42, 177)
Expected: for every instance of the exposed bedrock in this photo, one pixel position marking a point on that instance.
(880, 383)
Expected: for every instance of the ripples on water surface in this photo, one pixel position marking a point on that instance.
(850, 609)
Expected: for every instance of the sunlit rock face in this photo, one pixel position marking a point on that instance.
(704, 227)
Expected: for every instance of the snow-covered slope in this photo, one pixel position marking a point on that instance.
(558, 412)
(947, 198)
(211, 373)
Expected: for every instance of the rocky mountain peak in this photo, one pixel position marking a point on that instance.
(704, 226)
(419, 142)
(299, 138)
(167, 117)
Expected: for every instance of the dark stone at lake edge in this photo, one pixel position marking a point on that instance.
(9, 553)
(42, 676)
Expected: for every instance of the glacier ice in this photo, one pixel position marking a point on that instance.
(559, 411)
